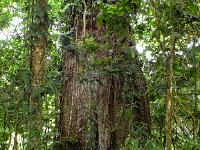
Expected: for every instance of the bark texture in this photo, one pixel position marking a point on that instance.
(105, 99)
(72, 121)
(92, 112)
(37, 69)
(169, 94)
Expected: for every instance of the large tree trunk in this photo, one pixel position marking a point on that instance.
(37, 68)
(72, 120)
(133, 105)
(140, 98)
(101, 98)
(73, 117)
(105, 99)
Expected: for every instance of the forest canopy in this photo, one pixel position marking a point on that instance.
(100, 74)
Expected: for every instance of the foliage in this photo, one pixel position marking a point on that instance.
(150, 27)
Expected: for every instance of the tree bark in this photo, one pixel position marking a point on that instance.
(141, 98)
(169, 97)
(103, 104)
(105, 99)
(37, 69)
(72, 117)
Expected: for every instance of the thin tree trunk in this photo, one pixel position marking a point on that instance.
(112, 114)
(37, 69)
(169, 96)
(195, 136)
(16, 132)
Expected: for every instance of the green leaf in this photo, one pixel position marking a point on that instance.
(49, 7)
(127, 140)
(40, 13)
(37, 20)
(25, 76)
(132, 54)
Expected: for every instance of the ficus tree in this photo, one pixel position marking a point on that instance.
(87, 87)
(96, 85)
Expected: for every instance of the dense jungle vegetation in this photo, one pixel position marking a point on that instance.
(99, 74)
